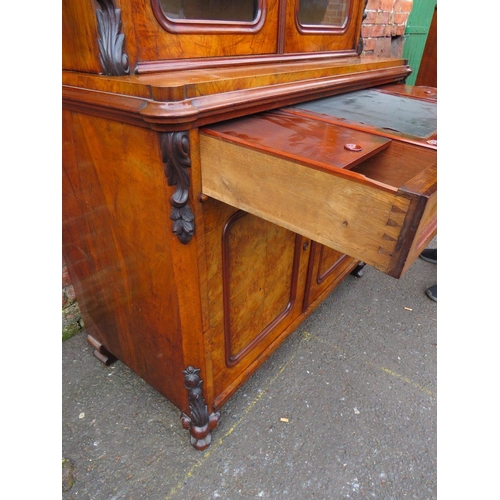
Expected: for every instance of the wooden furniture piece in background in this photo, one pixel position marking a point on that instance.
(212, 197)
(418, 29)
(427, 72)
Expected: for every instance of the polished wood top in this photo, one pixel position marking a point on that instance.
(196, 82)
(184, 99)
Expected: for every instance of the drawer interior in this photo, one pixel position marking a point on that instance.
(310, 142)
(397, 164)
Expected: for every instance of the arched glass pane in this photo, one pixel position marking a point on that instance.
(323, 12)
(211, 10)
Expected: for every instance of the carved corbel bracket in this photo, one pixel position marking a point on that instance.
(199, 423)
(175, 152)
(113, 59)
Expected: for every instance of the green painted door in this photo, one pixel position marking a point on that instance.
(417, 29)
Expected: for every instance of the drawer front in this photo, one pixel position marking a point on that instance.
(425, 232)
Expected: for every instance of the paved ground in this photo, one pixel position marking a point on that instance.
(356, 381)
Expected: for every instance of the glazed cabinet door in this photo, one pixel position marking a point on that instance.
(256, 279)
(183, 29)
(322, 25)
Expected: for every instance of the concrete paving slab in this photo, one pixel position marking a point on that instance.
(346, 408)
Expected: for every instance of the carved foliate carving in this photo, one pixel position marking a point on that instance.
(114, 61)
(199, 423)
(175, 150)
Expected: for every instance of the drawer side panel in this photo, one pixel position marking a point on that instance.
(355, 218)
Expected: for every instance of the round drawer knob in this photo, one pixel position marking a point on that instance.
(353, 147)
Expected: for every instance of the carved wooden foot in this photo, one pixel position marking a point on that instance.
(358, 270)
(100, 352)
(200, 424)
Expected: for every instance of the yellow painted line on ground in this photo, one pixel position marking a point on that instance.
(385, 370)
(307, 337)
(216, 444)
(407, 380)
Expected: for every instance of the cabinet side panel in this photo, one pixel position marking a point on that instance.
(117, 244)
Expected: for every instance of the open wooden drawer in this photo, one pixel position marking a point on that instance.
(369, 196)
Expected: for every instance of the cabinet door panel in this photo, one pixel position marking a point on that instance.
(327, 267)
(260, 266)
(257, 275)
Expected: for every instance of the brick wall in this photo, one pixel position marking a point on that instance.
(71, 318)
(382, 32)
(384, 27)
